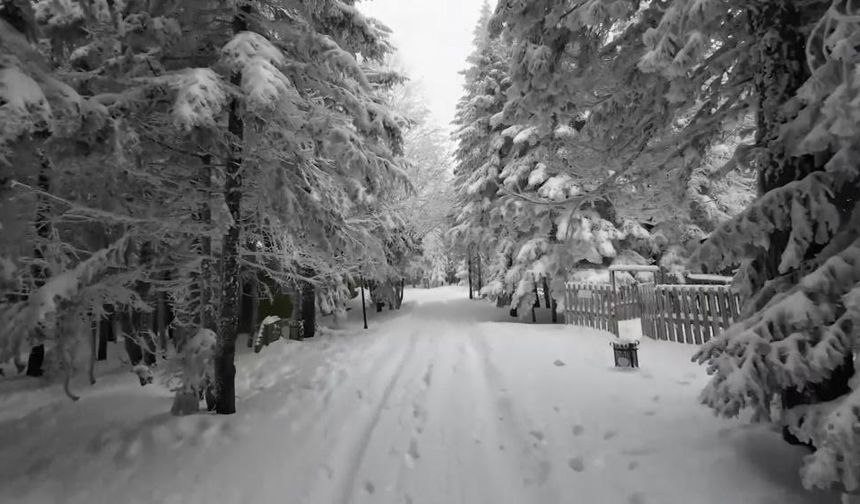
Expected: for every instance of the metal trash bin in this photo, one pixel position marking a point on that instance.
(626, 353)
(296, 329)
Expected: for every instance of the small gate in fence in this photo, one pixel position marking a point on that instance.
(682, 313)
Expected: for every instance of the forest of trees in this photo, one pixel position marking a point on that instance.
(164, 162)
(712, 135)
(166, 165)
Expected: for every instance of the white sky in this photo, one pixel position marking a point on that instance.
(434, 37)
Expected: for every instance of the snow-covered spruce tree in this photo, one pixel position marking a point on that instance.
(794, 342)
(93, 212)
(596, 131)
(426, 207)
(355, 137)
(166, 113)
(797, 243)
(478, 224)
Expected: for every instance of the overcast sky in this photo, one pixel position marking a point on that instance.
(434, 37)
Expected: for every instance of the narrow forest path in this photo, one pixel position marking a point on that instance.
(443, 402)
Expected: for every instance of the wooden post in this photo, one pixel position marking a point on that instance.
(255, 308)
(469, 253)
(613, 323)
(363, 307)
(480, 277)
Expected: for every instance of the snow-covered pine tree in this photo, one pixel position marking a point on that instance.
(479, 137)
(356, 140)
(797, 243)
(93, 224)
(149, 96)
(598, 138)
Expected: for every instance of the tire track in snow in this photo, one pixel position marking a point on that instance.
(533, 463)
(357, 455)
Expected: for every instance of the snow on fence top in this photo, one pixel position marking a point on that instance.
(695, 287)
(701, 277)
(634, 267)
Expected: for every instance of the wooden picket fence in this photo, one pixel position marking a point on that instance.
(688, 313)
(589, 305)
(682, 313)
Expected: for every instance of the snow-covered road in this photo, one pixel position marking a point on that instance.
(443, 402)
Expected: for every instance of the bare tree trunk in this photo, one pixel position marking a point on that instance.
(400, 293)
(480, 275)
(549, 301)
(95, 327)
(225, 347)
(206, 279)
(307, 304)
(105, 327)
(255, 308)
(469, 254)
(40, 273)
(161, 322)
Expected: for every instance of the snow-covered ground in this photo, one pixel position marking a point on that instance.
(443, 402)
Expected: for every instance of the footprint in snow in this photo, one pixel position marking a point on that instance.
(578, 430)
(656, 398)
(683, 382)
(632, 465)
(559, 363)
(413, 451)
(610, 434)
(724, 432)
(369, 487)
(636, 498)
(638, 452)
(38, 466)
(543, 470)
(577, 464)
(428, 376)
(650, 413)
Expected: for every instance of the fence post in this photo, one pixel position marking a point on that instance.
(613, 322)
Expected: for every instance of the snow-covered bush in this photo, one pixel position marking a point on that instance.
(189, 371)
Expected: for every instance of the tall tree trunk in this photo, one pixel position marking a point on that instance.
(186, 401)
(402, 287)
(40, 273)
(469, 254)
(225, 347)
(138, 325)
(547, 298)
(105, 328)
(781, 69)
(206, 279)
(307, 304)
(480, 275)
(161, 322)
(255, 307)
